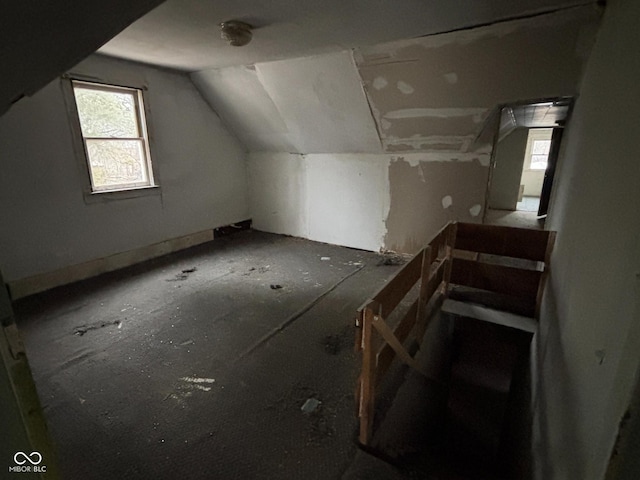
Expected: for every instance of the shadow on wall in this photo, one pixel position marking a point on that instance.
(552, 387)
(426, 194)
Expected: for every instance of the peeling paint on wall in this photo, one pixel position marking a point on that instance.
(447, 201)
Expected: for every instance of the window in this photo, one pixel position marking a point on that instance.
(114, 133)
(537, 152)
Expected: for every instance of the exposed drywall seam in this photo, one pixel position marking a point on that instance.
(372, 110)
(260, 78)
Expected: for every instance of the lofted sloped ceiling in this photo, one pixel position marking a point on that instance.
(40, 40)
(432, 93)
(184, 34)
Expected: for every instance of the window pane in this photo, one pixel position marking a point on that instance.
(106, 114)
(541, 147)
(538, 162)
(117, 162)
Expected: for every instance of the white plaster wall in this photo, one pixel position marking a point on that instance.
(589, 339)
(532, 181)
(46, 224)
(507, 170)
(335, 198)
(302, 105)
(347, 199)
(278, 193)
(238, 96)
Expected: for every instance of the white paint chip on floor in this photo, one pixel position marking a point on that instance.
(198, 380)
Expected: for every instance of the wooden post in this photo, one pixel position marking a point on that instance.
(451, 241)
(367, 381)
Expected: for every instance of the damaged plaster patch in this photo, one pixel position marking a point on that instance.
(405, 88)
(484, 159)
(447, 201)
(379, 83)
(451, 78)
(414, 159)
(457, 143)
(478, 114)
(475, 210)
(385, 124)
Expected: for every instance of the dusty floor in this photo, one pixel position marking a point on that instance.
(197, 365)
(519, 219)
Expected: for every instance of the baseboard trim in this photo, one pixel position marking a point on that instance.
(39, 283)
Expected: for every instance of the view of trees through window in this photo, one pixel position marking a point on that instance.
(115, 141)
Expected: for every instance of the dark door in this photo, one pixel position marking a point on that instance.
(552, 161)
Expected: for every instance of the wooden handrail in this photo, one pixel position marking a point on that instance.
(436, 267)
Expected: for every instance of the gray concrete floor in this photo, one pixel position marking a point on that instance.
(528, 204)
(196, 365)
(510, 218)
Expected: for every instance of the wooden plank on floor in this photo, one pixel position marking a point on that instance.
(506, 241)
(498, 317)
(496, 278)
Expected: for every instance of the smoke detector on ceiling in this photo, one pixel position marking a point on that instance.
(235, 32)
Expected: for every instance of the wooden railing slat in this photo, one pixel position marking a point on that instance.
(496, 278)
(506, 241)
(396, 289)
(386, 354)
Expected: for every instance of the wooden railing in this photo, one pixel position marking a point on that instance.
(378, 341)
(452, 257)
(518, 287)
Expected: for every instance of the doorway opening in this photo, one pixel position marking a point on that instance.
(534, 165)
(523, 163)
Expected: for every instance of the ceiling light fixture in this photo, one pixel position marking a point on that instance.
(235, 32)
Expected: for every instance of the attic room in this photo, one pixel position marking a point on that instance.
(196, 319)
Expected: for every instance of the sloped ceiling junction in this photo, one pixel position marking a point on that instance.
(431, 93)
(185, 34)
(393, 95)
(367, 77)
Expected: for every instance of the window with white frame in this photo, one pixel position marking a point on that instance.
(538, 145)
(114, 131)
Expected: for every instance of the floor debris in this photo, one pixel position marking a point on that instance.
(183, 275)
(310, 405)
(275, 286)
(392, 259)
(82, 329)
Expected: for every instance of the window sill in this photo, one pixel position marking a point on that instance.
(110, 195)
